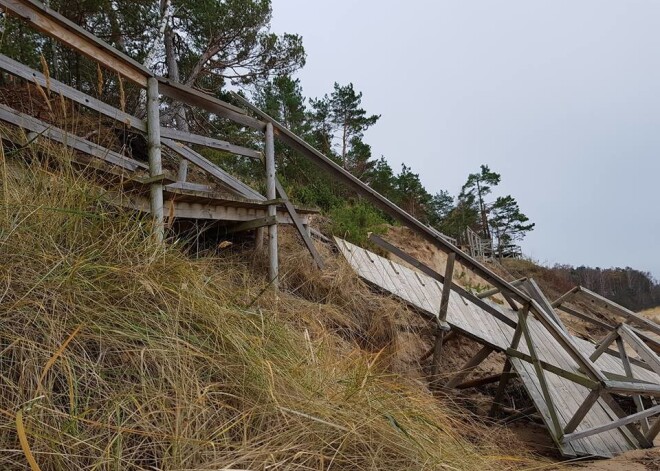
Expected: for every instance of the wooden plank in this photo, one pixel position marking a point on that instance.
(494, 291)
(629, 373)
(582, 411)
(569, 375)
(565, 297)
(643, 350)
(466, 369)
(604, 344)
(535, 293)
(612, 425)
(299, 226)
(435, 275)
(155, 163)
(627, 313)
(194, 97)
(643, 442)
(475, 383)
(228, 180)
(632, 387)
(19, 70)
(24, 121)
(522, 320)
(271, 193)
(55, 25)
(585, 317)
(189, 186)
(253, 224)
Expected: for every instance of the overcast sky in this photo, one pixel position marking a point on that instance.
(562, 97)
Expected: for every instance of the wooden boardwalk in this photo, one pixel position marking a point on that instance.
(423, 293)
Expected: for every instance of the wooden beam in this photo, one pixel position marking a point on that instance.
(227, 180)
(155, 163)
(632, 387)
(438, 277)
(253, 224)
(467, 369)
(565, 297)
(494, 291)
(629, 373)
(612, 425)
(604, 345)
(309, 243)
(582, 411)
(24, 121)
(475, 383)
(569, 375)
(653, 431)
(19, 70)
(585, 317)
(543, 384)
(56, 26)
(643, 350)
(273, 262)
(506, 371)
(442, 315)
(622, 311)
(630, 426)
(535, 293)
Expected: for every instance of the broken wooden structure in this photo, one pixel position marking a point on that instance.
(571, 381)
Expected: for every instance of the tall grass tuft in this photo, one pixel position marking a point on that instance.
(120, 354)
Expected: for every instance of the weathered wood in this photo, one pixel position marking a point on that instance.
(253, 224)
(442, 315)
(522, 320)
(616, 408)
(273, 263)
(55, 25)
(632, 387)
(24, 121)
(614, 424)
(466, 369)
(506, 376)
(19, 70)
(494, 291)
(535, 293)
(627, 313)
(438, 277)
(565, 297)
(571, 376)
(643, 350)
(299, 225)
(582, 411)
(585, 317)
(653, 431)
(229, 181)
(189, 186)
(194, 97)
(604, 344)
(155, 163)
(477, 382)
(629, 373)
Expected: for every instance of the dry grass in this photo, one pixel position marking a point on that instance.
(117, 353)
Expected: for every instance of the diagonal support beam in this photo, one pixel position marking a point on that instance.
(467, 369)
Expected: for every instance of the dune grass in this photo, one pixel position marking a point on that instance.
(117, 353)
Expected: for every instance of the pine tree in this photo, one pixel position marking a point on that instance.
(508, 223)
(475, 189)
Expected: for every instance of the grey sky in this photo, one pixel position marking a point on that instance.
(562, 97)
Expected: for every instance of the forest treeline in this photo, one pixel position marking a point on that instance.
(222, 45)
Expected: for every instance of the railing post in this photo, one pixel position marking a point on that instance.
(442, 316)
(155, 164)
(273, 268)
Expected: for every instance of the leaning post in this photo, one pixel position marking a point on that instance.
(273, 268)
(442, 315)
(155, 163)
